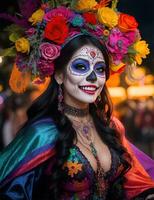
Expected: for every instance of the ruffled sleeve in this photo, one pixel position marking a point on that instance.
(138, 182)
(21, 162)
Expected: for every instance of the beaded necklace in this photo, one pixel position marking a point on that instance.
(83, 130)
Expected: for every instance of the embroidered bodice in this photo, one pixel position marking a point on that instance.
(79, 178)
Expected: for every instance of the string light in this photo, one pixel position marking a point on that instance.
(1, 59)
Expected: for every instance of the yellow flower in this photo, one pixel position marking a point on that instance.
(73, 168)
(22, 45)
(141, 47)
(107, 16)
(86, 4)
(37, 16)
(116, 68)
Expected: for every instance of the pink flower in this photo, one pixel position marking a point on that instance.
(30, 32)
(60, 11)
(98, 31)
(131, 36)
(117, 44)
(45, 68)
(49, 51)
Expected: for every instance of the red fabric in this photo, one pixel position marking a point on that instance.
(137, 179)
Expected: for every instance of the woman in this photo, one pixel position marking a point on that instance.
(71, 147)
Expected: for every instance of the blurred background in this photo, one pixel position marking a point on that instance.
(133, 99)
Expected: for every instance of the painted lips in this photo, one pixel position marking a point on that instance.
(89, 89)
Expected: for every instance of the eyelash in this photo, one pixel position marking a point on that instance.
(100, 69)
(80, 66)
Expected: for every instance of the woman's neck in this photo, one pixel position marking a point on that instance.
(76, 112)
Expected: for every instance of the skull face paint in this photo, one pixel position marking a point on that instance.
(85, 77)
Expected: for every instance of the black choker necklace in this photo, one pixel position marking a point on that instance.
(70, 110)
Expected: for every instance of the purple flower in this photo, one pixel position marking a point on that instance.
(49, 51)
(60, 11)
(21, 62)
(45, 68)
(117, 44)
(98, 31)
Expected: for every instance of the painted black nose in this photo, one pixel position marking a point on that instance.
(92, 77)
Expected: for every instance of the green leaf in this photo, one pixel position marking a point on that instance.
(73, 4)
(14, 36)
(11, 52)
(13, 28)
(131, 50)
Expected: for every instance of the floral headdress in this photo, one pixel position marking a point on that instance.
(56, 22)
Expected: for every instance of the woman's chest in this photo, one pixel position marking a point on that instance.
(79, 171)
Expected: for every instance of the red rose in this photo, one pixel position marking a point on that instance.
(127, 23)
(90, 18)
(56, 30)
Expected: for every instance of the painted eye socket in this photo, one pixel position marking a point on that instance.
(79, 67)
(99, 68)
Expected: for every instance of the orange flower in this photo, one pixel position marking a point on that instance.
(127, 23)
(73, 168)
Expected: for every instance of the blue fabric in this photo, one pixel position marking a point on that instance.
(28, 143)
(21, 188)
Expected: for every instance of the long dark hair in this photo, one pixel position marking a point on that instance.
(46, 106)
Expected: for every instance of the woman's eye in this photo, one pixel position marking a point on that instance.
(100, 69)
(80, 66)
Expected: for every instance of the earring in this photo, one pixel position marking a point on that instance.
(60, 99)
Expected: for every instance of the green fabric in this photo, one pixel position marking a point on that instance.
(27, 141)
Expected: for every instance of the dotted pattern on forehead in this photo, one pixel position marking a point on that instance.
(92, 53)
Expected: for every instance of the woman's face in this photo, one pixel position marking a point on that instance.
(84, 75)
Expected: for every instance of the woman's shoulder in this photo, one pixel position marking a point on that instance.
(44, 131)
(116, 124)
(43, 128)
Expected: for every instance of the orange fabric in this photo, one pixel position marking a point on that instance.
(137, 179)
(19, 81)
